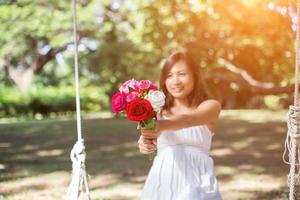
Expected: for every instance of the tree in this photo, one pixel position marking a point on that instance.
(238, 44)
(34, 33)
(242, 35)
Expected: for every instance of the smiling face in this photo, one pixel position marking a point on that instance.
(179, 80)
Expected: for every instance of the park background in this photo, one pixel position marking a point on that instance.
(245, 50)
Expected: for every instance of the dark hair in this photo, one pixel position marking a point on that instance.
(198, 93)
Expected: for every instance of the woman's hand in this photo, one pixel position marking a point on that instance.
(146, 146)
(149, 134)
(152, 134)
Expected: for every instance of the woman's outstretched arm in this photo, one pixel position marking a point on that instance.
(206, 113)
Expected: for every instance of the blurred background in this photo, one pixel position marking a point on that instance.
(245, 49)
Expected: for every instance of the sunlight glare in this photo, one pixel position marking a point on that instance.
(271, 6)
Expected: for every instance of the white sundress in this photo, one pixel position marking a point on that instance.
(182, 168)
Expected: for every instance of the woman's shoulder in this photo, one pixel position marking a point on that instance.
(213, 107)
(160, 114)
(210, 103)
(163, 114)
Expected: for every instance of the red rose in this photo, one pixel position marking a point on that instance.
(139, 109)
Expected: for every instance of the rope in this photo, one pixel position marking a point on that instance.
(292, 124)
(79, 176)
(293, 121)
(292, 138)
(294, 128)
(79, 182)
(79, 134)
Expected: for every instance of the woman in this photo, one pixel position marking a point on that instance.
(182, 169)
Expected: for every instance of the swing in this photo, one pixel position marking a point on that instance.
(79, 182)
(292, 142)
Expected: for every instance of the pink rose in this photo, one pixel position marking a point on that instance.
(130, 83)
(144, 84)
(131, 96)
(118, 102)
(153, 87)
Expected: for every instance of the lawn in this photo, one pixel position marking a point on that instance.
(35, 164)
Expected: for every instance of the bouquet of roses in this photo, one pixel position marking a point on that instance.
(140, 101)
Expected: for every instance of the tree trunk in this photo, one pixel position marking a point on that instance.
(24, 76)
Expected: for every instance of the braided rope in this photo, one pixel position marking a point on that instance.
(296, 96)
(79, 182)
(291, 145)
(293, 119)
(79, 175)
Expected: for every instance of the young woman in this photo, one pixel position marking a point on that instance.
(182, 168)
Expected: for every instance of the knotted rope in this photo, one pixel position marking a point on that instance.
(292, 138)
(79, 183)
(79, 176)
(292, 141)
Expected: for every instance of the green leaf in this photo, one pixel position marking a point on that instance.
(149, 124)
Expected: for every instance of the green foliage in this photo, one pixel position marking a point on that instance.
(128, 39)
(48, 99)
(277, 102)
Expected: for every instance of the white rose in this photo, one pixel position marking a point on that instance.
(156, 98)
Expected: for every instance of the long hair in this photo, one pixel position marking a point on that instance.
(198, 93)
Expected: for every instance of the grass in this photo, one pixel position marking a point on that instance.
(35, 163)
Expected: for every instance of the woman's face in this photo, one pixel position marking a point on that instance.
(179, 81)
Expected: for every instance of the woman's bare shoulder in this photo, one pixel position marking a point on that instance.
(210, 103)
(160, 114)
(213, 107)
(163, 114)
